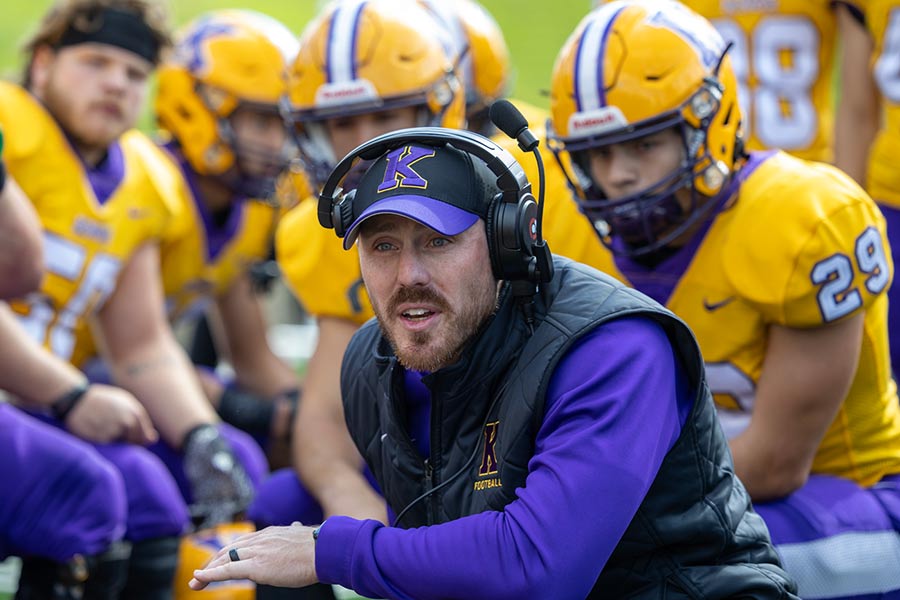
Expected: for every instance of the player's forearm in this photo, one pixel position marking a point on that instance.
(330, 467)
(267, 375)
(858, 115)
(21, 251)
(854, 134)
(243, 330)
(765, 474)
(160, 375)
(806, 375)
(31, 372)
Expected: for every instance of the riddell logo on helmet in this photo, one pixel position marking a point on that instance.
(597, 121)
(345, 92)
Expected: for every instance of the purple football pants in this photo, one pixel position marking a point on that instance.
(838, 540)
(282, 499)
(59, 496)
(152, 484)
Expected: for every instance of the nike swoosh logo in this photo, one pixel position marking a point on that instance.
(711, 306)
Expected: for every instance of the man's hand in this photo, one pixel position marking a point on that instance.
(279, 556)
(110, 414)
(219, 484)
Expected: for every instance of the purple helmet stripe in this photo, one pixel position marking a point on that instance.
(341, 44)
(355, 37)
(589, 91)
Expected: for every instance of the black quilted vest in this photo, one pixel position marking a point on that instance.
(694, 536)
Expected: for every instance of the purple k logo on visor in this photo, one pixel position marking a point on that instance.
(439, 186)
(399, 171)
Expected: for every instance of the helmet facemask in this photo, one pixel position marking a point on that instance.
(256, 167)
(225, 62)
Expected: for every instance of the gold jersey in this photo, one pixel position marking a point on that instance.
(783, 55)
(87, 240)
(324, 277)
(883, 176)
(200, 260)
(800, 245)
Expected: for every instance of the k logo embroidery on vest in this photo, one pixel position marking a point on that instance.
(399, 171)
(489, 456)
(489, 465)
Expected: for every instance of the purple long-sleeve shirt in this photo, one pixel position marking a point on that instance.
(614, 408)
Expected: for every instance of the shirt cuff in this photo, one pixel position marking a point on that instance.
(336, 545)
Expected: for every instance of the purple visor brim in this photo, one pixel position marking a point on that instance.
(440, 216)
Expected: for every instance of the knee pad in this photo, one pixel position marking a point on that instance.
(151, 569)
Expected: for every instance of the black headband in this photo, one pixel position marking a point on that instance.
(120, 28)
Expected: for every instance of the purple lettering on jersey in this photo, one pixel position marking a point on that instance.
(106, 176)
(399, 171)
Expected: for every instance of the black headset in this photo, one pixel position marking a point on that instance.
(512, 221)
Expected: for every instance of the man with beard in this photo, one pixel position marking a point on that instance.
(540, 431)
(63, 505)
(104, 196)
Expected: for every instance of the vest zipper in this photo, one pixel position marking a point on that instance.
(429, 483)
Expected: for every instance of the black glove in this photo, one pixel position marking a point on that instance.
(263, 274)
(252, 412)
(220, 487)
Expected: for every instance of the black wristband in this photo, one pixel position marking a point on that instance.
(62, 406)
(2, 176)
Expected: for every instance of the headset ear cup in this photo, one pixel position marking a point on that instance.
(491, 223)
(342, 213)
(512, 235)
(527, 220)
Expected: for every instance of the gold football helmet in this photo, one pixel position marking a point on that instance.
(199, 548)
(223, 61)
(483, 56)
(365, 56)
(630, 69)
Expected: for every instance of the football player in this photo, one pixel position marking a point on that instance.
(779, 265)
(221, 104)
(63, 507)
(103, 193)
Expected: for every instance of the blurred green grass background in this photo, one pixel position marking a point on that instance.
(532, 49)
